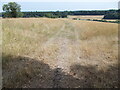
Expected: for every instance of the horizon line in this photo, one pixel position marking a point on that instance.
(69, 10)
(65, 10)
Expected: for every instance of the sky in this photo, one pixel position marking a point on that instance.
(63, 5)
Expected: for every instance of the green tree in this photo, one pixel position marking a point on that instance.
(12, 9)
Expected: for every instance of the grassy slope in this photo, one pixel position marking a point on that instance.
(83, 52)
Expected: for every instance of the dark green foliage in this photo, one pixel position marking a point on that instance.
(112, 16)
(91, 12)
(12, 10)
(100, 20)
(45, 14)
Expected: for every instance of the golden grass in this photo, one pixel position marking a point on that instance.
(21, 35)
(77, 47)
(99, 17)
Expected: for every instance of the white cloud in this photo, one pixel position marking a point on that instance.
(60, 0)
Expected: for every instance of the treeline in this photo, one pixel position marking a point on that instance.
(64, 14)
(92, 12)
(115, 15)
(112, 16)
(45, 14)
(109, 14)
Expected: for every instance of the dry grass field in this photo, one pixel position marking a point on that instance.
(59, 53)
(98, 17)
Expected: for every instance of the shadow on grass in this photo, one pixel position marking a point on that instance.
(25, 72)
(90, 76)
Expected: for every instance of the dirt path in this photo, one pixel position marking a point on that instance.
(63, 54)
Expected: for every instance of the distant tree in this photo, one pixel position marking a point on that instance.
(12, 9)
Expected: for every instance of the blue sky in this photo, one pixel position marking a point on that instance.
(62, 6)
